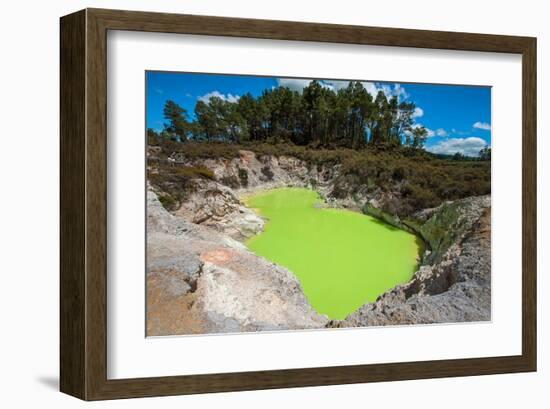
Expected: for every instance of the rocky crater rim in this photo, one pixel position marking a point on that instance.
(443, 289)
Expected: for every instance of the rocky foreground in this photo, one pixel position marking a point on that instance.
(202, 279)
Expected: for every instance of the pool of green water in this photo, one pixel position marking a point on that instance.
(343, 259)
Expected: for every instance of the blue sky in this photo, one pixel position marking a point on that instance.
(458, 118)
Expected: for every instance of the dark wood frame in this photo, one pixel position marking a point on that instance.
(83, 365)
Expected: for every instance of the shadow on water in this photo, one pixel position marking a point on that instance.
(385, 224)
(421, 244)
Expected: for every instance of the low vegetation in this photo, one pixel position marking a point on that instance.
(417, 179)
(176, 182)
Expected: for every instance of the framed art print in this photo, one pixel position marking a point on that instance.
(252, 204)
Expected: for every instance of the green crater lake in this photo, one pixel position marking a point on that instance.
(343, 259)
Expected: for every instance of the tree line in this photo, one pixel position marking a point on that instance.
(349, 117)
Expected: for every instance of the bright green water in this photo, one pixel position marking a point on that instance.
(343, 259)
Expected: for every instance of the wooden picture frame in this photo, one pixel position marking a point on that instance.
(83, 257)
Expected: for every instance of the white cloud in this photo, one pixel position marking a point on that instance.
(372, 88)
(467, 146)
(418, 112)
(390, 91)
(334, 85)
(429, 133)
(294, 84)
(399, 91)
(482, 125)
(297, 84)
(225, 97)
(441, 132)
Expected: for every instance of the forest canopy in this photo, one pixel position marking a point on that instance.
(319, 116)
